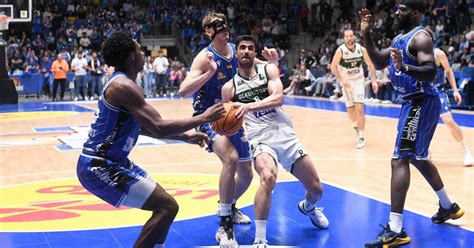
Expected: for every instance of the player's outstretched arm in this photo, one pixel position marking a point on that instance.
(127, 95)
(202, 69)
(379, 58)
(443, 60)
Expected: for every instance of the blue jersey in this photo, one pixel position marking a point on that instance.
(210, 92)
(407, 85)
(440, 79)
(114, 131)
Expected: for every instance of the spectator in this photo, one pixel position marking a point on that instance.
(79, 66)
(161, 68)
(59, 68)
(148, 74)
(95, 68)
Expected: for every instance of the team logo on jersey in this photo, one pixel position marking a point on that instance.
(65, 205)
(218, 63)
(220, 75)
(261, 76)
(240, 82)
(229, 66)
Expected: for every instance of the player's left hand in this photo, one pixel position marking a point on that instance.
(242, 109)
(457, 97)
(271, 55)
(197, 138)
(375, 87)
(396, 58)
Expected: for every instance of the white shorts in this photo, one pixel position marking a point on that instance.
(356, 94)
(281, 143)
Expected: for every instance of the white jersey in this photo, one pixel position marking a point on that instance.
(254, 89)
(351, 62)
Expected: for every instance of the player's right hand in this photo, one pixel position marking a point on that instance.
(211, 64)
(214, 113)
(366, 20)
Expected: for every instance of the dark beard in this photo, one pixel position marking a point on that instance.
(245, 64)
(401, 24)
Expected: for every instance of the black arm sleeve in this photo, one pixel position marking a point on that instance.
(425, 72)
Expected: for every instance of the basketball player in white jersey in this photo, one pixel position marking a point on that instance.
(347, 67)
(258, 92)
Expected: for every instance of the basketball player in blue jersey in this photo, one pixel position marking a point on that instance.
(442, 70)
(412, 68)
(103, 167)
(258, 92)
(211, 68)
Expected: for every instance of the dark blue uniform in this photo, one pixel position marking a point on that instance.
(440, 83)
(210, 93)
(420, 107)
(103, 167)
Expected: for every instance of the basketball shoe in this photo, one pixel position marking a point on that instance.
(361, 144)
(260, 244)
(454, 212)
(315, 215)
(468, 161)
(238, 217)
(226, 238)
(388, 238)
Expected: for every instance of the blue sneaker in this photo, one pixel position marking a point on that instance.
(388, 238)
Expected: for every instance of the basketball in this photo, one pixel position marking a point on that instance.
(229, 124)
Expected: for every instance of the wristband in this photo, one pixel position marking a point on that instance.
(404, 68)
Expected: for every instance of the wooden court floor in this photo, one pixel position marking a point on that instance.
(26, 156)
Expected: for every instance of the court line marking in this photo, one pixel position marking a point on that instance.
(216, 175)
(375, 116)
(198, 164)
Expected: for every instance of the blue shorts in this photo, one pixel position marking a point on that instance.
(239, 141)
(445, 104)
(115, 182)
(416, 126)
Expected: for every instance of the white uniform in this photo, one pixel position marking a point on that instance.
(270, 131)
(351, 68)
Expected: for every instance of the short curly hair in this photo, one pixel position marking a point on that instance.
(117, 48)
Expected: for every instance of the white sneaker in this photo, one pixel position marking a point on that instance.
(468, 161)
(307, 88)
(386, 102)
(315, 215)
(87, 98)
(260, 244)
(224, 240)
(333, 97)
(75, 99)
(361, 144)
(238, 217)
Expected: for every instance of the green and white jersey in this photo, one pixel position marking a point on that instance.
(248, 90)
(351, 62)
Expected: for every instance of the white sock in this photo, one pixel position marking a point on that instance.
(260, 230)
(308, 205)
(444, 199)
(361, 134)
(159, 246)
(395, 222)
(463, 145)
(224, 209)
